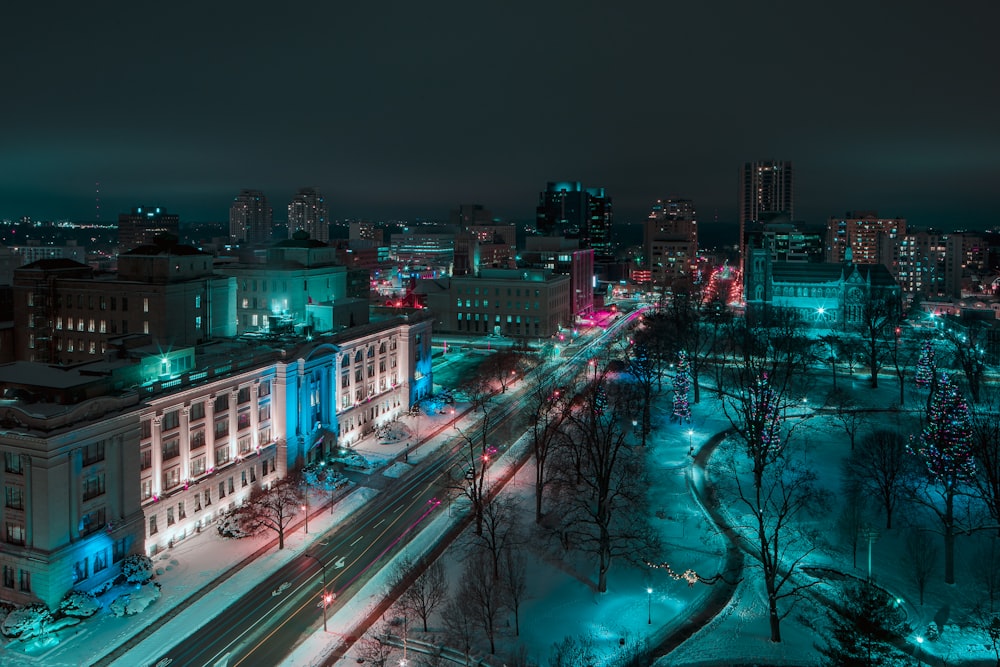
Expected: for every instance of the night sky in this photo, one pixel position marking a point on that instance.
(406, 109)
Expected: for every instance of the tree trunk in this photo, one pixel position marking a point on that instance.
(772, 604)
(694, 381)
(538, 494)
(949, 539)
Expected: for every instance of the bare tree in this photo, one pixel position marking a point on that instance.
(968, 345)
(877, 312)
(459, 622)
(641, 367)
(601, 488)
(920, 558)
(373, 649)
(428, 591)
(986, 450)
(787, 495)
(485, 597)
(270, 509)
(547, 404)
(504, 367)
(985, 569)
(902, 356)
(881, 466)
(499, 529)
(853, 520)
(478, 452)
(515, 583)
(847, 413)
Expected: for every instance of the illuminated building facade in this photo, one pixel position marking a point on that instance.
(65, 313)
(567, 208)
(864, 232)
(273, 296)
(308, 212)
(521, 303)
(670, 241)
(250, 219)
(565, 257)
(135, 455)
(143, 224)
(765, 196)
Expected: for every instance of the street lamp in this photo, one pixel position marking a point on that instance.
(691, 441)
(305, 510)
(920, 644)
(649, 606)
(326, 599)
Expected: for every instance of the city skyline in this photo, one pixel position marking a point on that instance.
(403, 111)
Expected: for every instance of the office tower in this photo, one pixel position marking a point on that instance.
(250, 219)
(862, 231)
(670, 240)
(308, 212)
(143, 224)
(765, 196)
(470, 214)
(567, 208)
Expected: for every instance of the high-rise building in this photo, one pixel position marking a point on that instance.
(250, 219)
(670, 240)
(862, 231)
(566, 207)
(143, 224)
(308, 212)
(765, 196)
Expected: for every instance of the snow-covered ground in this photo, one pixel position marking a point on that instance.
(561, 601)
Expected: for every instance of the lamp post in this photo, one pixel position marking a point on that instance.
(649, 606)
(326, 598)
(920, 645)
(305, 510)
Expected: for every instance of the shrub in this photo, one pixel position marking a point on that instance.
(79, 604)
(26, 622)
(128, 604)
(137, 568)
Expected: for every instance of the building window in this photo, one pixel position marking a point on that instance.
(100, 561)
(208, 497)
(243, 396)
(244, 445)
(172, 478)
(171, 420)
(221, 427)
(93, 453)
(198, 467)
(152, 524)
(25, 581)
(181, 512)
(93, 521)
(221, 403)
(146, 459)
(15, 533)
(145, 326)
(14, 497)
(198, 439)
(145, 304)
(8, 576)
(171, 449)
(93, 486)
(264, 389)
(243, 420)
(170, 516)
(146, 489)
(232, 489)
(222, 455)
(198, 410)
(222, 489)
(243, 477)
(264, 412)
(264, 437)
(13, 463)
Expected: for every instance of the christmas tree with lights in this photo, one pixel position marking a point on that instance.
(945, 444)
(682, 388)
(926, 365)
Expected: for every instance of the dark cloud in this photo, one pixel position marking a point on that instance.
(400, 109)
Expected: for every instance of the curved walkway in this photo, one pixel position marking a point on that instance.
(724, 587)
